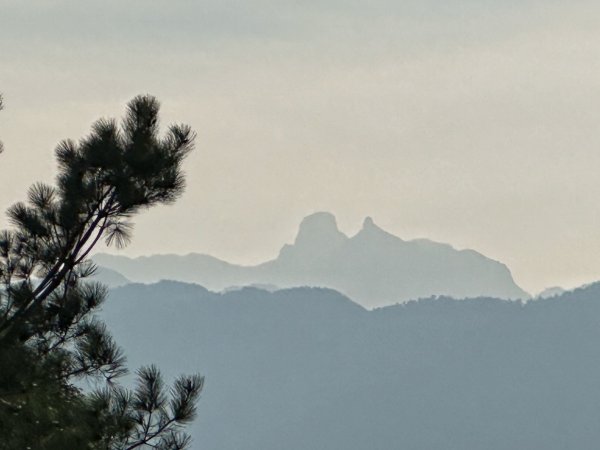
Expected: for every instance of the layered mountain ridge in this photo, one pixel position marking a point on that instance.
(306, 368)
(373, 267)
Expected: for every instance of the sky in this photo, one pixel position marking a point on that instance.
(468, 122)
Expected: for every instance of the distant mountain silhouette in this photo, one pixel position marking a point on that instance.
(110, 278)
(373, 267)
(551, 292)
(307, 368)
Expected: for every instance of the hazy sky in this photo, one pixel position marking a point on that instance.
(469, 122)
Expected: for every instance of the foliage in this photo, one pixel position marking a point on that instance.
(50, 342)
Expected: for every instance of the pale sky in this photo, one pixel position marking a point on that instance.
(464, 121)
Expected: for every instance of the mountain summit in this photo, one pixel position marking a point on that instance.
(317, 233)
(373, 267)
(317, 227)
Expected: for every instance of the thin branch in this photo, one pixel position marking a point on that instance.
(152, 436)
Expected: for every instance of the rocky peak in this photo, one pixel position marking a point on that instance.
(319, 228)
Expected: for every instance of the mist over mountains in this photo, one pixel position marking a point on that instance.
(373, 267)
(307, 368)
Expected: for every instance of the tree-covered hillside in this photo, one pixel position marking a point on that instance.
(308, 368)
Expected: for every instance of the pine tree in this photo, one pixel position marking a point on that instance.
(49, 338)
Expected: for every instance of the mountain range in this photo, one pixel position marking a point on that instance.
(373, 267)
(307, 368)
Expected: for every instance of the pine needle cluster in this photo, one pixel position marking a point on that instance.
(50, 340)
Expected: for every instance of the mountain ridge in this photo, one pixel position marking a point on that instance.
(433, 374)
(373, 267)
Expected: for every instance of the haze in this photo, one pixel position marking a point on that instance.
(468, 122)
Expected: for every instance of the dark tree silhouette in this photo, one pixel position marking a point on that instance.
(49, 339)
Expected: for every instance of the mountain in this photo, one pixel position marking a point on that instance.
(551, 292)
(110, 278)
(307, 368)
(374, 268)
